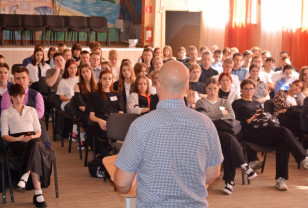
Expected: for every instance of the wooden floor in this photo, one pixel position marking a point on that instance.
(78, 189)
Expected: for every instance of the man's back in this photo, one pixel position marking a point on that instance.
(171, 149)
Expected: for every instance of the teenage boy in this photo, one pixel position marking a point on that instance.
(217, 64)
(206, 70)
(237, 69)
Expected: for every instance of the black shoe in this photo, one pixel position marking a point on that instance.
(21, 189)
(39, 204)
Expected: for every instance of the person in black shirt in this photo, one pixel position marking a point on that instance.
(206, 71)
(101, 104)
(194, 84)
(283, 139)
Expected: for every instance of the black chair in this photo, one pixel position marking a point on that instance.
(117, 128)
(99, 25)
(70, 139)
(6, 167)
(12, 23)
(54, 25)
(33, 23)
(78, 24)
(304, 127)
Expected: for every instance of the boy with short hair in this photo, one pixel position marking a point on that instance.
(226, 53)
(193, 56)
(113, 58)
(206, 70)
(247, 56)
(181, 54)
(237, 69)
(84, 57)
(268, 72)
(217, 63)
(2, 59)
(256, 51)
(95, 62)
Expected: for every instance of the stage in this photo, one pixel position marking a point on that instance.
(15, 54)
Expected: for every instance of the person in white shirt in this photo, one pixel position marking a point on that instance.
(37, 68)
(227, 68)
(69, 80)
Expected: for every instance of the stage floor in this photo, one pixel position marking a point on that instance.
(14, 54)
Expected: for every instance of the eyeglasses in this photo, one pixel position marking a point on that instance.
(248, 89)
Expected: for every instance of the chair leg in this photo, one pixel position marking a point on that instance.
(55, 126)
(55, 176)
(86, 153)
(10, 179)
(264, 160)
(79, 141)
(3, 182)
(94, 148)
(70, 138)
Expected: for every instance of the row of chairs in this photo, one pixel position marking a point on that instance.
(52, 24)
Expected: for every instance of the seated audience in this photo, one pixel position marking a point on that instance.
(29, 60)
(126, 81)
(237, 69)
(246, 110)
(192, 53)
(37, 68)
(50, 53)
(139, 100)
(32, 98)
(76, 51)
(167, 53)
(216, 108)
(261, 91)
(66, 86)
(225, 91)
(247, 57)
(95, 63)
(146, 58)
(84, 58)
(217, 63)
(4, 83)
(113, 58)
(303, 76)
(206, 70)
(283, 101)
(82, 89)
(157, 52)
(194, 75)
(181, 55)
(100, 105)
(286, 80)
(227, 68)
(226, 54)
(20, 127)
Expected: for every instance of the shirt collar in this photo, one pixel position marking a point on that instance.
(170, 103)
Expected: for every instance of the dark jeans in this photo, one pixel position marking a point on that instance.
(290, 123)
(284, 141)
(233, 154)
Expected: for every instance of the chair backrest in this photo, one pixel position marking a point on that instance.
(55, 21)
(43, 87)
(118, 125)
(78, 22)
(13, 20)
(304, 122)
(269, 106)
(97, 22)
(32, 21)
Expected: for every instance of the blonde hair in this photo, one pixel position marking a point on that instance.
(113, 54)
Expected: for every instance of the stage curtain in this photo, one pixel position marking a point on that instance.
(214, 17)
(295, 38)
(240, 30)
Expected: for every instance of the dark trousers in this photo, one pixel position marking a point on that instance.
(284, 141)
(290, 123)
(233, 154)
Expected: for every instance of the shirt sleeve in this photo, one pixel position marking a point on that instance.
(60, 90)
(133, 104)
(39, 106)
(4, 123)
(130, 154)
(216, 156)
(6, 101)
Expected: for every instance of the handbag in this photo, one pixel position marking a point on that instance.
(232, 126)
(264, 120)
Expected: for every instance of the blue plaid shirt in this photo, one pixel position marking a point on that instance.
(171, 148)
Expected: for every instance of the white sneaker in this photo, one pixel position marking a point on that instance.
(228, 188)
(255, 165)
(281, 184)
(305, 163)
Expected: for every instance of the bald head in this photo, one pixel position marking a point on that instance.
(173, 80)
